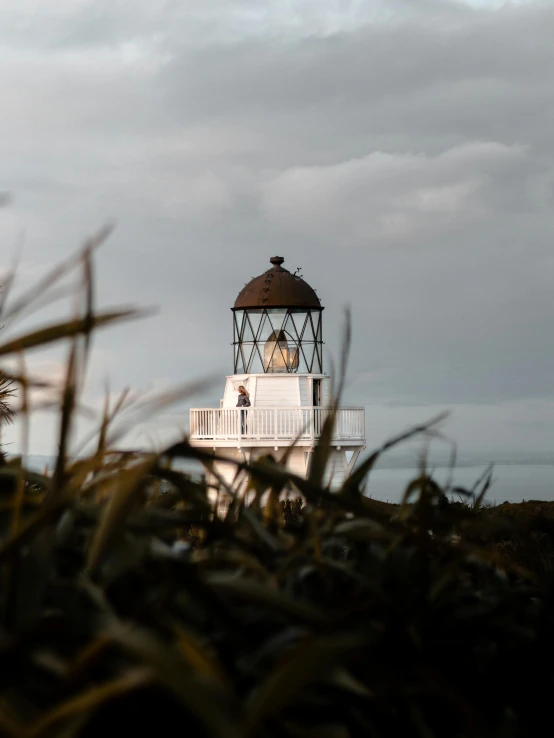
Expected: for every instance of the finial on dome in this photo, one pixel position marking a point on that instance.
(277, 260)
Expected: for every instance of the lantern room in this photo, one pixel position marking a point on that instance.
(277, 325)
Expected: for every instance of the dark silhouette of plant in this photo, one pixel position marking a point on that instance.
(7, 391)
(7, 413)
(328, 614)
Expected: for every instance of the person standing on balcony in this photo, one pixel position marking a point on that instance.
(243, 401)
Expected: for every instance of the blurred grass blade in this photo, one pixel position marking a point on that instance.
(246, 591)
(352, 484)
(201, 662)
(485, 481)
(145, 408)
(124, 487)
(323, 450)
(89, 700)
(209, 701)
(66, 416)
(68, 329)
(60, 270)
(309, 662)
(88, 286)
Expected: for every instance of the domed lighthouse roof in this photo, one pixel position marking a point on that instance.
(277, 288)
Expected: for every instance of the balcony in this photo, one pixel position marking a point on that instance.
(261, 426)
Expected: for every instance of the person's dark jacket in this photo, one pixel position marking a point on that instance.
(243, 401)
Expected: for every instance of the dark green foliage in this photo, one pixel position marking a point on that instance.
(332, 615)
(320, 621)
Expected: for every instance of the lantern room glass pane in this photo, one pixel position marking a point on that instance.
(277, 340)
(246, 333)
(257, 318)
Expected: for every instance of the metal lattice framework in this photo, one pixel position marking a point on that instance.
(271, 340)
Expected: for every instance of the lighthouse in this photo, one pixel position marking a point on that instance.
(278, 360)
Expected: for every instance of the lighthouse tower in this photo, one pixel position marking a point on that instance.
(278, 358)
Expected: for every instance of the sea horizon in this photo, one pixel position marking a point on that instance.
(513, 481)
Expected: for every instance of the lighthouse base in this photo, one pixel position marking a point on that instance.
(229, 477)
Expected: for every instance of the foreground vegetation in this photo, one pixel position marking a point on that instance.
(332, 617)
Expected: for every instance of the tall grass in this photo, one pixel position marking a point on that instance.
(333, 616)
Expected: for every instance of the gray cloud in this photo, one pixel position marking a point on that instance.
(400, 152)
(398, 195)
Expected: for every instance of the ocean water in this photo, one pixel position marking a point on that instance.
(511, 482)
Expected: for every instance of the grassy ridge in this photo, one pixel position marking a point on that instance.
(339, 616)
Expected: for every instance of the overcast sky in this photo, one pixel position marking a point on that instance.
(400, 151)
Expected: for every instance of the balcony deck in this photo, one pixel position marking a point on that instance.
(262, 426)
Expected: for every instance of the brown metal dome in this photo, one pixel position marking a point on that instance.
(277, 288)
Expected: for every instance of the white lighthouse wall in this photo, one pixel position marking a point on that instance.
(276, 390)
(298, 463)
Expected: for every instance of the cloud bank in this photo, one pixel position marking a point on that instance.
(400, 152)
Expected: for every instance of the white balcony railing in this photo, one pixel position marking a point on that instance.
(274, 423)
